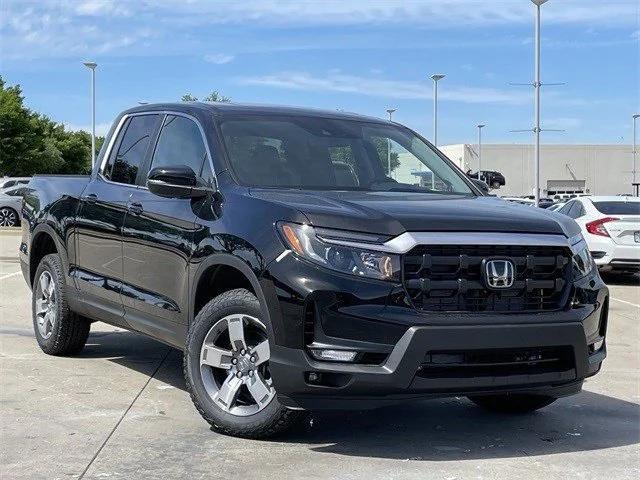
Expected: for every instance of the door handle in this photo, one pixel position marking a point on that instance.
(91, 198)
(135, 208)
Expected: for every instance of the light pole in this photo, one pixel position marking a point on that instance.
(536, 86)
(480, 126)
(390, 112)
(435, 78)
(635, 117)
(92, 66)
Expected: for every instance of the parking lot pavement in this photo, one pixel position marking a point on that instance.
(120, 410)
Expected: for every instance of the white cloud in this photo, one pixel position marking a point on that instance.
(218, 58)
(101, 128)
(399, 89)
(101, 8)
(72, 28)
(433, 13)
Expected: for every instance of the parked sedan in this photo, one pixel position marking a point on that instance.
(10, 205)
(8, 182)
(556, 206)
(611, 227)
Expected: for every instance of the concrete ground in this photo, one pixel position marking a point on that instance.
(120, 411)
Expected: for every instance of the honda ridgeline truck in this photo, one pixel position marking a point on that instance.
(308, 260)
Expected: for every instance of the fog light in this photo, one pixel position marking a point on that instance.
(597, 346)
(334, 355)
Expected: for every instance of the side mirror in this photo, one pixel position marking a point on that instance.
(481, 185)
(175, 182)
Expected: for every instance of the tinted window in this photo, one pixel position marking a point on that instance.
(618, 208)
(578, 210)
(180, 143)
(565, 209)
(15, 192)
(335, 154)
(124, 165)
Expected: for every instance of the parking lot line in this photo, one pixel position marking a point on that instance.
(9, 275)
(624, 301)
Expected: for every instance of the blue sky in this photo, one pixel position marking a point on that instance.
(361, 56)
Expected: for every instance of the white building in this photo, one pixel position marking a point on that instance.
(591, 169)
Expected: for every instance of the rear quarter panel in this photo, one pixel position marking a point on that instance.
(50, 206)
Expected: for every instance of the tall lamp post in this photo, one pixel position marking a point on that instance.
(435, 77)
(480, 127)
(390, 112)
(536, 86)
(635, 152)
(92, 66)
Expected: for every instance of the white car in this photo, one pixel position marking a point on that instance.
(611, 227)
(556, 206)
(8, 182)
(11, 205)
(520, 200)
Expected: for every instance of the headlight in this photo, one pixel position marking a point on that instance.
(303, 241)
(582, 263)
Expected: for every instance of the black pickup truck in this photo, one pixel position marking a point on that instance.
(301, 264)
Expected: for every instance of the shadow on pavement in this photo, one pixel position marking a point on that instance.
(620, 279)
(435, 430)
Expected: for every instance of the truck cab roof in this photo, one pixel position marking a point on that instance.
(221, 109)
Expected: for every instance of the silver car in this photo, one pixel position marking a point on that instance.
(8, 182)
(10, 206)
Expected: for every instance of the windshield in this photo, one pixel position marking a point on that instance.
(331, 154)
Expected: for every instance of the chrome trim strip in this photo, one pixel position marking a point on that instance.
(405, 242)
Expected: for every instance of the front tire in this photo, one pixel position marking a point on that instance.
(59, 331)
(226, 367)
(512, 403)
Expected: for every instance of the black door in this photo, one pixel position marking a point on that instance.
(158, 238)
(98, 270)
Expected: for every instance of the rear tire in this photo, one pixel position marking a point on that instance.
(58, 330)
(512, 403)
(226, 369)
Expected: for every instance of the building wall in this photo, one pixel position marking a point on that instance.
(606, 169)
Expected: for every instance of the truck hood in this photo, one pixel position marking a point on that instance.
(392, 213)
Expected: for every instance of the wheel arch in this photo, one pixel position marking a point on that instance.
(44, 241)
(207, 276)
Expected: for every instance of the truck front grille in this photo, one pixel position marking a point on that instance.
(449, 278)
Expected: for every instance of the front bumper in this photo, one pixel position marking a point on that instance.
(363, 315)
(400, 378)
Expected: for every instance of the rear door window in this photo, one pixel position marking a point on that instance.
(123, 165)
(618, 208)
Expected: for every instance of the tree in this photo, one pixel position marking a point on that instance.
(19, 141)
(31, 143)
(214, 96)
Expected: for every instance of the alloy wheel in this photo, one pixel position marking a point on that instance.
(234, 365)
(46, 305)
(8, 218)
